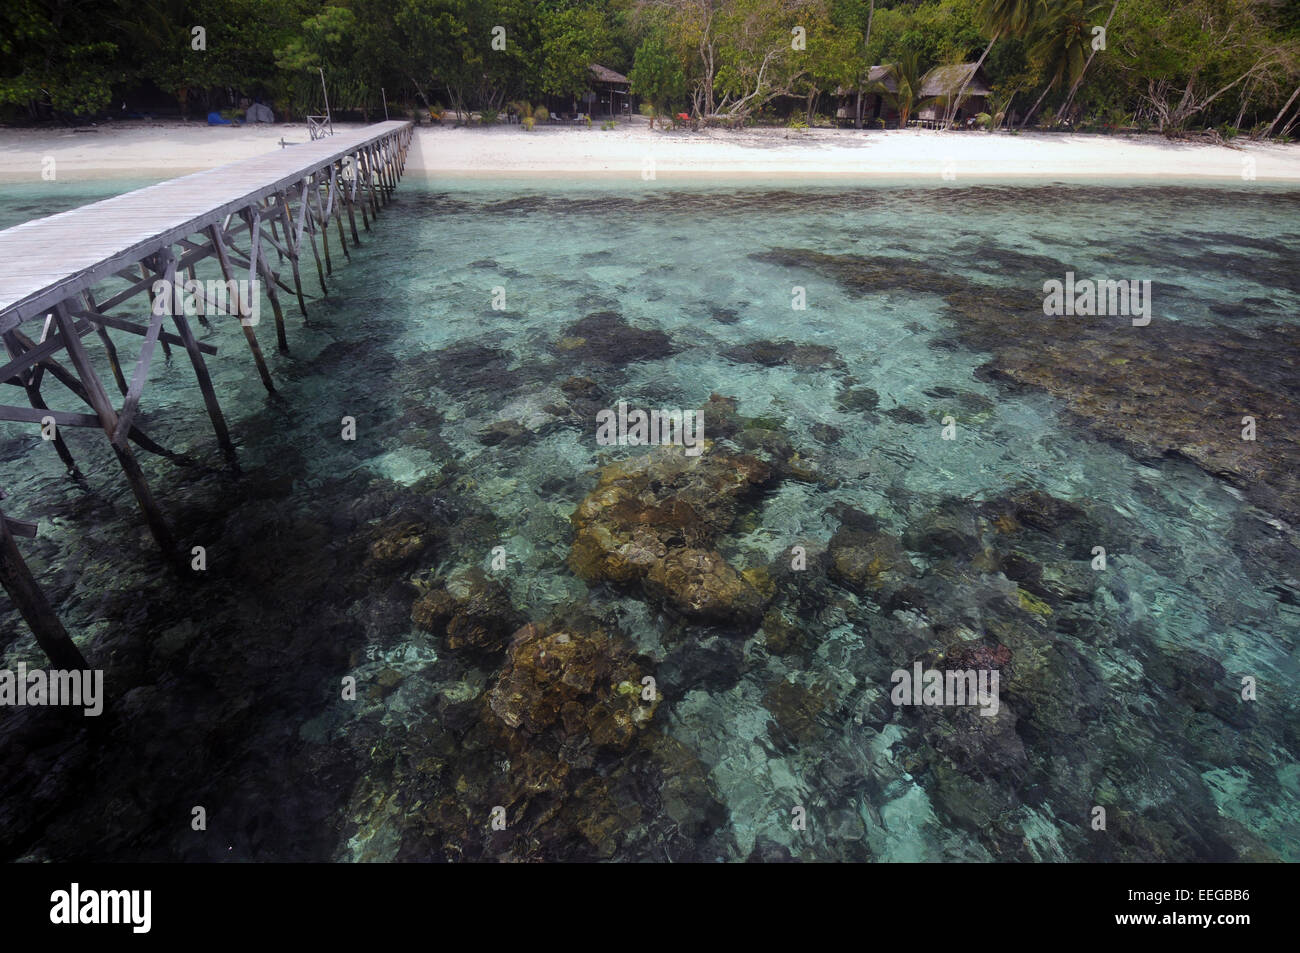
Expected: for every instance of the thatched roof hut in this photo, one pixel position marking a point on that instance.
(882, 75)
(877, 74)
(943, 83)
(872, 105)
(603, 74)
(947, 81)
(611, 92)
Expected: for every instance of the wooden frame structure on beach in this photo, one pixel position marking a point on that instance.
(65, 277)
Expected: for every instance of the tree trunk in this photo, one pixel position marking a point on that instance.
(956, 103)
(419, 91)
(1282, 112)
(866, 43)
(1024, 122)
(1245, 101)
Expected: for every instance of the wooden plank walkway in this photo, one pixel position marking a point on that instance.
(50, 259)
(72, 273)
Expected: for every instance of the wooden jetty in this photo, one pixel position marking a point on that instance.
(71, 275)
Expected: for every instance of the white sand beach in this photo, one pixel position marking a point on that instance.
(161, 149)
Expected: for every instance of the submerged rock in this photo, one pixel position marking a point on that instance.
(560, 759)
(653, 521)
(480, 620)
(868, 560)
(785, 354)
(796, 711)
(699, 583)
(604, 337)
(579, 683)
(857, 400)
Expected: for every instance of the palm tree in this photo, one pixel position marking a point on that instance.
(1001, 17)
(1069, 100)
(1060, 42)
(906, 95)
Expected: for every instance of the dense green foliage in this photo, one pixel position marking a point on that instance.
(1166, 64)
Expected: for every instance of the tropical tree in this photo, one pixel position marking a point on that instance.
(834, 55)
(1060, 43)
(326, 42)
(1074, 89)
(657, 75)
(1179, 61)
(52, 61)
(906, 97)
(739, 53)
(1001, 17)
(572, 40)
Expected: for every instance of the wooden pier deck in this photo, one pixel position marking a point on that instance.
(80, 272)
(50, 259)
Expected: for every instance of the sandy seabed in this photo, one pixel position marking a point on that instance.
(149, 149)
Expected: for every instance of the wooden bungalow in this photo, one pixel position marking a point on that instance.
(612, 90)
(945, 82)
(874, 105)
(609, 97)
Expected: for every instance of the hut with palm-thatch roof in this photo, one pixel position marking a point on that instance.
(612, 89)
(609, 95)
(878, 82)
(943, 83)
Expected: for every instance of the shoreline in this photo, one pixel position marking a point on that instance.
(160, 150)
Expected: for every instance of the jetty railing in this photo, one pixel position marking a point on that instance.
(68, 276)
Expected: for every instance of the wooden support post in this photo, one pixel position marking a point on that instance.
(388, 164)
(274, 225)
(109, 348)
(214, 232)
(334, 205)
(318, 218)
(378, 165)
(156, 317)
(109, 421)
(205, 385)
(391, 148)
(305, 224)
(202, 316)
(31, 603)
(358, 195)
(264, 269)
(347, 200)
(31, 384)
(293, 245)
(370, 182)
(259, 265)
(144, 273)
(384, 172)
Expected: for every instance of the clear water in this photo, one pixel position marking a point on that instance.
(231, 683)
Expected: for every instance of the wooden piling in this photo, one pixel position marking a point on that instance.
(32, 605)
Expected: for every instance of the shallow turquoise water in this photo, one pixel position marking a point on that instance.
(240, 671)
